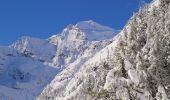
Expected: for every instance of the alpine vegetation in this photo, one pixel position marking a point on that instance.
(135, 66)
(90, 61)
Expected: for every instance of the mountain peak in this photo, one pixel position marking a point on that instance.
(90, 24)
(33, 47)
(84, 30)
(95, 31)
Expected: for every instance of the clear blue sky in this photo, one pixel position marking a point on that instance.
(43, 18)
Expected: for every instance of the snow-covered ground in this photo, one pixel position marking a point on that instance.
(88, 61)
(134, 66)
(22, 77)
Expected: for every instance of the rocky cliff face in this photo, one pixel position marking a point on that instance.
(135, 66)
(75, 40)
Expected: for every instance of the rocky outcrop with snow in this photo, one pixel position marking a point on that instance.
(36, 48)
(29, 64)
(135, 66)
(77, 39)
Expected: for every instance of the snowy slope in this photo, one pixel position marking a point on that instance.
(76, 39)
(135, 66)
(96, 32)
(69, 82)
(37, 48)
(21, 77)
(29, 64)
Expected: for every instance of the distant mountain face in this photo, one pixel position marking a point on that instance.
(77, 39)
(135, 66)
(22, 78)
(36, 48)
(29, 64)
(94, 31)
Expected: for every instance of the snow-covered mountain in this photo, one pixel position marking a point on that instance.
(21, 77)
(77, 39)
(135, 66)
(95, 31)
(36, 48)
(29, 64)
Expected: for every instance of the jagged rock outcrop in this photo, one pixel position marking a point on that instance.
(75, 40)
